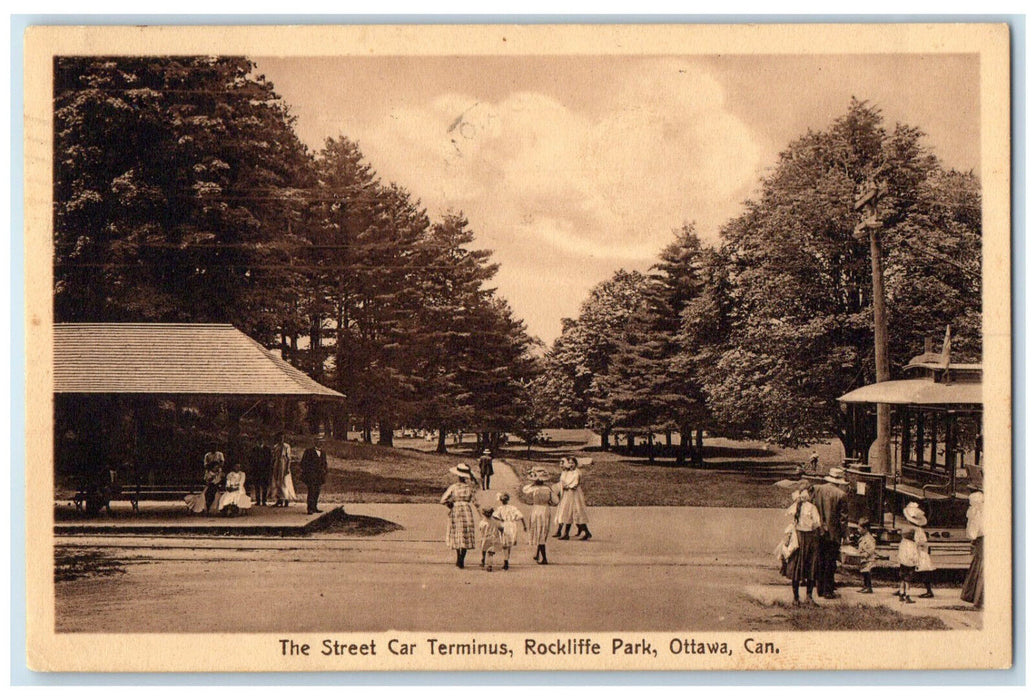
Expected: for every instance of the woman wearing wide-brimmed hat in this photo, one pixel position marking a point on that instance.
(543, 498)
(460, 499)
(913, 540)
(801, 564)
(972, 592)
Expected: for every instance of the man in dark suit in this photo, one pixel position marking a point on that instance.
(261, 465)
(313, 472)
(832, 503)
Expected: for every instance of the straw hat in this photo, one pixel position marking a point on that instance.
(836, 476)
(538, 474)
(462, 470)
(915, 515)
(487, 453)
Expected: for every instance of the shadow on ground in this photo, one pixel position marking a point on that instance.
(358, 525)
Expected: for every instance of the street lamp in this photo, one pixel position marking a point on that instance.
(869, 227)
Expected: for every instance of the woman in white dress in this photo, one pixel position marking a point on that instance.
(234, 499)
(281, 483)
(572, 507)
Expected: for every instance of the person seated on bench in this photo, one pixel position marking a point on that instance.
(202, 502)
(235, 498)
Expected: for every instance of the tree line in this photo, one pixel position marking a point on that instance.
(183, 194)
(758, 336)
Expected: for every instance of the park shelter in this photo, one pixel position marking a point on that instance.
(173, 359)
(115, 379)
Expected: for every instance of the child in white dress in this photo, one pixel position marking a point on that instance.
(489, 529)
(509, 516)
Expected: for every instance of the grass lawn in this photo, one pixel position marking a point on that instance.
(841, 617)
(70, 565)
(735, 474)
(361, 473)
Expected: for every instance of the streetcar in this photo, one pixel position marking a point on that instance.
(935, 460)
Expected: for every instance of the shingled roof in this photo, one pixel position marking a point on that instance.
(171, 358)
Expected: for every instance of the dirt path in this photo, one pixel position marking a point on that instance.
(646, 568)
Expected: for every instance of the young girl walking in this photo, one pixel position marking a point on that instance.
(543, 498)
(509, 516)
(913, 540)
(489, 529)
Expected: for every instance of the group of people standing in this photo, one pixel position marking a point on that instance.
(810, 550)
(498, 529)
(811, 547)
(271, 482)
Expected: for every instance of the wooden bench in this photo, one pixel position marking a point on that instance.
(135, 493)
(927, 492)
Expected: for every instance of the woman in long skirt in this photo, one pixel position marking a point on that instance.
(234, 499)
(539, 518)
(460, 499)
(972, 592)
(282, 487)
(801, 566)
(572, 506)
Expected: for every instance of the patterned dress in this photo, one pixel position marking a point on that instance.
(539, 519)
(461, 532)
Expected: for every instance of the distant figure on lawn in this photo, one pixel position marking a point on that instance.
(832, 504)
(234, 498)
(313, 472)
(460, 499)
(485, 468)
(261, 463)
(510, 517)
(572, 506)
(282, 487)
(539, 519)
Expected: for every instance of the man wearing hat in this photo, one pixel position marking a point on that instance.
(485, 468)
(313, 472)
(830, 499)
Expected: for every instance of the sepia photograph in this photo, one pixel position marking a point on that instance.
(502, 347)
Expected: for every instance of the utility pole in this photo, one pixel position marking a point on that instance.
(870, 226)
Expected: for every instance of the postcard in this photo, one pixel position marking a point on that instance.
(518, 347)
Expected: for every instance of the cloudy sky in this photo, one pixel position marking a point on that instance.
(572, 167)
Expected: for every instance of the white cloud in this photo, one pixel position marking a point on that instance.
(543, 183)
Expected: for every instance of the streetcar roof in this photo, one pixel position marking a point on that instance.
(922, 391)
